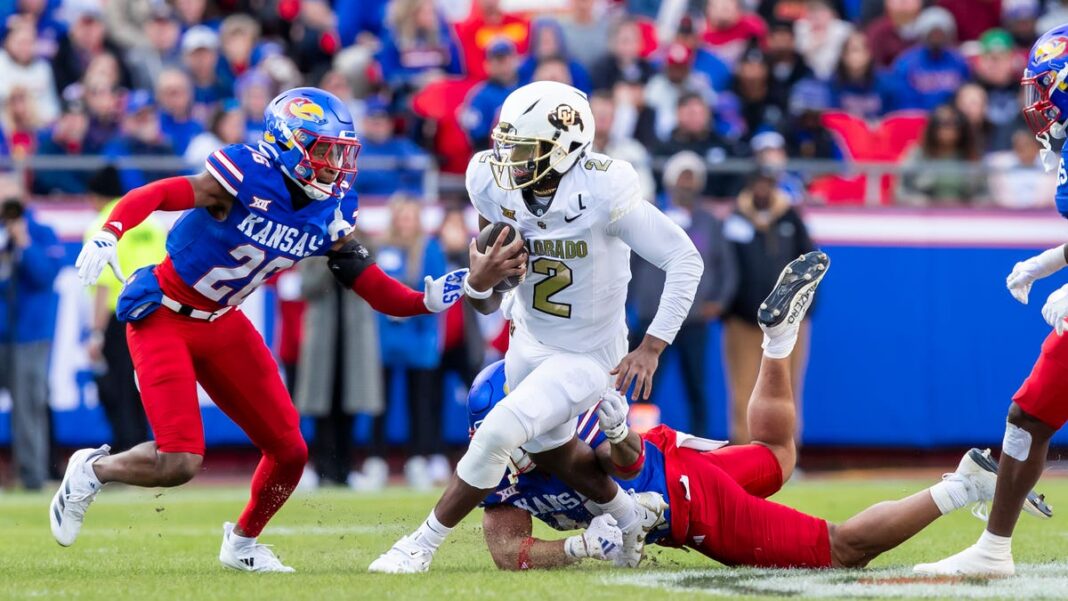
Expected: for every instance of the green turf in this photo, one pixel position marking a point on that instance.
(156, 545)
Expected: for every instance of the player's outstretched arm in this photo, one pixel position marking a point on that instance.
(508, 536)
(1025, 273)
(170, 194)
(657, 239)
(355, 268)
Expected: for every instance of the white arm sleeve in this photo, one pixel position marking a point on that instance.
(657, 239)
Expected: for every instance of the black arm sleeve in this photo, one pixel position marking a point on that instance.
(349, 261)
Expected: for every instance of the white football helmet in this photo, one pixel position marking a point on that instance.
(544, 126)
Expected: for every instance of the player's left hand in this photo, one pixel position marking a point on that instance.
(444, 292)
(638, 368)
(1056, 309)
(612, 416)
(339, 227)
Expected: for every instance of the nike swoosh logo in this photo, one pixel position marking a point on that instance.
(570, 219)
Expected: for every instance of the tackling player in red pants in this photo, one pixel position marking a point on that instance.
(253, 212)
(716, 497)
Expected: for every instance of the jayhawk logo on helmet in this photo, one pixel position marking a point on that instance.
(305, 109)
(1051, 49)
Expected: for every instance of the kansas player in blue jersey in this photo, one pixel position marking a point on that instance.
(1040, 408)
(254, 211)
(715, 495)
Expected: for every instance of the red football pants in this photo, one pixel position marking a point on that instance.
(731, 522)
(1044, 394)
(171, 353)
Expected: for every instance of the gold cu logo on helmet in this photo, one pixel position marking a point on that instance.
(563, 117)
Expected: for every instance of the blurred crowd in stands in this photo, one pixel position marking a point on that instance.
(856, 94)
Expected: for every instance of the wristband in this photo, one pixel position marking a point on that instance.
(1051, 260)
(618, 434)
(634, 467)
(523, 561)
(575, 547)
(475, 294)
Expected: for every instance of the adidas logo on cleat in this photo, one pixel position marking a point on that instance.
(249, 561)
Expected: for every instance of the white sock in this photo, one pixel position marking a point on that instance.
(431, 534)
(992, 544)
(621, 507)
(241, 541)
(780, 347)
(950, 494)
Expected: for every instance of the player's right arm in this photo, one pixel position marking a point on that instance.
(489, 268)
(1025, 273)
(508, 536)
(170, 194)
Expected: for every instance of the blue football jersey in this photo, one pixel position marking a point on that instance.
(548, 499)
(262, 235)
(1062, 184)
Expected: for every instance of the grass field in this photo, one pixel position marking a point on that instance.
(158, 545)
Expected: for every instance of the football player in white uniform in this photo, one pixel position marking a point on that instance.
(580, 214)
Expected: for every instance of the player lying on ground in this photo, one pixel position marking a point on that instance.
(1040, 408)
(716, 496)
(581, 213)
(253, 212)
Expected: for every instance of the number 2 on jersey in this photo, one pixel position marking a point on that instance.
(250, 259)
(559, 279)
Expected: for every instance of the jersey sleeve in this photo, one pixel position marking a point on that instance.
(624, 189)
(479, 181)
(243, 172)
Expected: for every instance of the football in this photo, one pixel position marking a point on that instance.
(487, 237)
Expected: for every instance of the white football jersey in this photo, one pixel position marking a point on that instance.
(576, 285)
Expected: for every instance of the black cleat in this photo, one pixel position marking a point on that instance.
(792, 295)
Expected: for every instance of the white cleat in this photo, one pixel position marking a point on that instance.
(253, 557)
(651, 507)
(982, 471)
(973, 561)
(404, 557)
(76, 492)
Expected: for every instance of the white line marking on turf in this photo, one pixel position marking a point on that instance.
(268, 533)
(1037, 581)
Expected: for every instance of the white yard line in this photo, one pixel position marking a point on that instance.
(1039, 581)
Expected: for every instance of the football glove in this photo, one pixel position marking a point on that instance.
(1056, 309)
(601, 540)
(339, 227)
(1026, 272)
(612, 416)
(444, 292)
(98, 251)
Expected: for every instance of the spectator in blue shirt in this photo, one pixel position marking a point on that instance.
(928, 75)
(141, 137)
(30, 258)
(253, 92)
(479, 113)
(200, 55)
(411, 347)
(416, 46)
(547, 42)
(174, 91)
(857, 87)
(356, 17)
(388, 163)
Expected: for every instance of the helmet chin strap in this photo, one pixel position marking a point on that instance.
(1048, 156)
